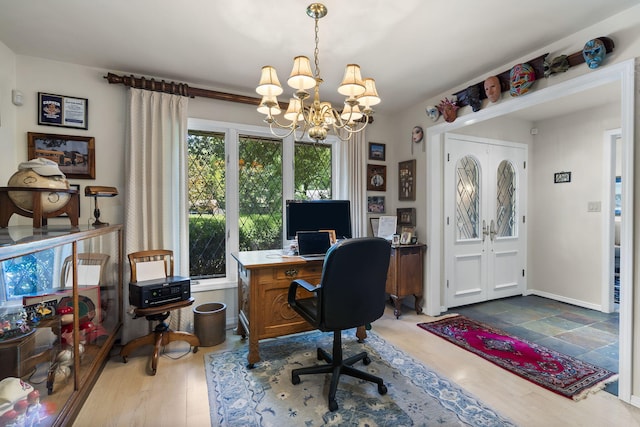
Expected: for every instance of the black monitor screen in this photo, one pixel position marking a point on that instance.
(314, 215)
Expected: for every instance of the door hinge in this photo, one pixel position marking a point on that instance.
(448, 157)
(447, 220)
(524, 164)
(523, 272)
(524, 219)
(447, 283)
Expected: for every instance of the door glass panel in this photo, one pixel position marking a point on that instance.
(506, 200)
(467, 198)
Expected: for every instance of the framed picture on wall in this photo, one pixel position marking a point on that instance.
(75, 155)
(406, 180)
(377, 151)
(406, 216)
(64, 111)
(375, 204)
(376, 178)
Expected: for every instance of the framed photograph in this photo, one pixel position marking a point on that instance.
(406, 180)
(377, 151)
(395, 241)
(375, 204)
(374, 226)
(376, 178)
(405, 238)
(75, 155)
(561, 177)
(63, 111)
(406, 216)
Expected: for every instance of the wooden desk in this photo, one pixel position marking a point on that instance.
(405, 276)
(263, 283)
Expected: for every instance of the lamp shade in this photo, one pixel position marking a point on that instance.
(351, 113)
(269, 83)
(269, 106)
(370, 96)
(294, 112)
(301, 77)
(100, 191)
(352, 84)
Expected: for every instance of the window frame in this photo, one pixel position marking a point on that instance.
(231, 133)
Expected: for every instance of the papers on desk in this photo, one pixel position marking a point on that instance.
(387, 227)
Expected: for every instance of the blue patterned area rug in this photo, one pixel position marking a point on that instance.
(264, 396)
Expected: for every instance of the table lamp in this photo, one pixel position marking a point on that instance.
(96, 191)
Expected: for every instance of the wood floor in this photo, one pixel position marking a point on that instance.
(177, 396)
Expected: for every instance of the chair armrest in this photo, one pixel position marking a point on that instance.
(293, 287)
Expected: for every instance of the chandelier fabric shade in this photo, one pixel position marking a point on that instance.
(306, 113)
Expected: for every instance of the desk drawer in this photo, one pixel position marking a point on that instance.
(311, 270)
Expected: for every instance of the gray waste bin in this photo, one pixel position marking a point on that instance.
(209, 321)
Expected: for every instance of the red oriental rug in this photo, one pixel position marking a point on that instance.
(554, 371)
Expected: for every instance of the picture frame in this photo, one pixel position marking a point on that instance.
(376, 178)
(63, 111)
(377, 151)
(406, 180)
(374, 226)
(375, 204)
(75, 155)
(561, 177)
(405, 238)
(395, 241)
(406, 216)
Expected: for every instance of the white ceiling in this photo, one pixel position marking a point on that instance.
(414, 49)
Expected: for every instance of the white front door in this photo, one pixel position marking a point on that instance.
(485, 234)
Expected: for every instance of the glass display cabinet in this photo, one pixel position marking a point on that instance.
(60, 313)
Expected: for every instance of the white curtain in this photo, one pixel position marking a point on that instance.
(156, 208)
(352, 170)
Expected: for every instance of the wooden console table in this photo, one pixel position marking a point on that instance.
(8, 207)
(263, 284)
(405, 275)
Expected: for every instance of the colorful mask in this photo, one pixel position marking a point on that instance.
(594, 52)
(473, 97)
(417, 134)
(522, 77)
(449, 109)
(432, 112)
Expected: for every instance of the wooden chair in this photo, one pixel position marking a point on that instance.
(162, 334)
(84, 259)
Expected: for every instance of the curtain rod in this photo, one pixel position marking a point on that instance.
(181, 89)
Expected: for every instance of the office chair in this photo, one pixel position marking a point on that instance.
(351, 293)
(162, 334)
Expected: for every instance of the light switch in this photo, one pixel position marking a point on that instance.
(594, 206)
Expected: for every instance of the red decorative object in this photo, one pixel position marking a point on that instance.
(547, 368)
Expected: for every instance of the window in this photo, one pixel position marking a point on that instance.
(238, 184)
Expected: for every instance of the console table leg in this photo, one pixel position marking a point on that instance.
(418, 306)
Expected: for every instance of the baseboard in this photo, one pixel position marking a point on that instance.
(579, 303)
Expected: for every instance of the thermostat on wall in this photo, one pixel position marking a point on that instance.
(17, 98)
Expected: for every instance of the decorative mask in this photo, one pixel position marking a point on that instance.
(594, 52)
(522, 77)
(448, 108)
(473, 97)
(432, 112)
(417, 134)
(492, 88)
(559, 64)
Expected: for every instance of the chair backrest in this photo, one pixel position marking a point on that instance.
(162, 256)
(83, 259)
(353, 283)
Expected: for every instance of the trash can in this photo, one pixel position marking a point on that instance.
(209, 321)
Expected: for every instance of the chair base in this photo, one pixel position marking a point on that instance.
(160, 337)
(336, 367)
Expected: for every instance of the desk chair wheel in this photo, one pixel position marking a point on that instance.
(295, 379)
(333, 405)
(382, 389)
(366, 360)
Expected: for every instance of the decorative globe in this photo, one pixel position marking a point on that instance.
(51, 200)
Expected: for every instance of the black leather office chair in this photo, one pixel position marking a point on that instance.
(351, 293)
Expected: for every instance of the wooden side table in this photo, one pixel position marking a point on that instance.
(405, 276)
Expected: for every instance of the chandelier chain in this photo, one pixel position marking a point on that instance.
(317, 51)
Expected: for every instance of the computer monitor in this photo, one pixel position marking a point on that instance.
(315, 215)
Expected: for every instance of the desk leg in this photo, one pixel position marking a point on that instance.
(254, 353)
(418, 305)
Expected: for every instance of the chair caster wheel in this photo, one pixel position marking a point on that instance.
(295, 379)
(382, 389)
(250, 365)
(333, 405)
(366, 360)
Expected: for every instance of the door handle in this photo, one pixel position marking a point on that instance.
(485, 230)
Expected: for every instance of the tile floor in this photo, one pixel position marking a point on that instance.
(585, 334)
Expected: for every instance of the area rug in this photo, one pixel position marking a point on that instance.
(264, 395)
(550, 369)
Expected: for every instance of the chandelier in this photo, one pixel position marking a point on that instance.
(316, 118)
